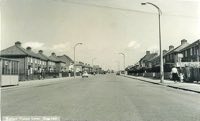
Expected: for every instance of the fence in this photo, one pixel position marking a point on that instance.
(194, 75)
(46, 75)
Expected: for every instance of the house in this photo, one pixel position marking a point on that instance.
(144, 62)
(191, 54)
(97, 69)
(87, 67)
(79, 67)
(68, 61)
(172, 56)
(29, 62)
(50, 63)
(60, 65)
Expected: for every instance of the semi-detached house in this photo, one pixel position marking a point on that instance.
(29, 62)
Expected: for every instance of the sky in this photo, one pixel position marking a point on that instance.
(105, 27)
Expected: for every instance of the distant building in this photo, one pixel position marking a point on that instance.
(87, 67)
(97, 69)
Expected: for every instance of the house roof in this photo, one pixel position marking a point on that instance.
(191, 45)
(42, 56)
(148, 57)
(18, 50)
(65, 58)
(55, 58)
(177, 49)
(155, 57)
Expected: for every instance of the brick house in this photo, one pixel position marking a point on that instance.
(50, 64)
(171, 57)
(29, 62)
(68, 61)
(144, 62)
(60, 65)
(191, 53)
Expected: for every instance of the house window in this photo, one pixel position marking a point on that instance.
(5, 69)
(194, 52)
(9, 67)
(171, 56)
(186, 53)
(191, 51)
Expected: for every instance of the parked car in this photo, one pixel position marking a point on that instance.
(118, 73)
(85, 74)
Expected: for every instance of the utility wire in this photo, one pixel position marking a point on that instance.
(120, 9)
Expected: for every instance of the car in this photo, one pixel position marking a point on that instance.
(85, 74)
(118, 73)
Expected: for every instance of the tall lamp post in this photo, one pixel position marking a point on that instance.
(118, 65)
(124, 59)
(198, 55)
(93, 64)
(160, 42)
(75, 57)
(93, 61)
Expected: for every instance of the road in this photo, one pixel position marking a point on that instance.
(103, 97)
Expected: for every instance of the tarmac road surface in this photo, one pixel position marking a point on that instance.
(103, 98)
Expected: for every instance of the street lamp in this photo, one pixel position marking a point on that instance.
(93, 64)
(118, 65)
(124, 59)
(93, 61)
(75, 57)
(160, 42)
(198, 55)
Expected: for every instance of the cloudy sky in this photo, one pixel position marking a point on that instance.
(105, 27)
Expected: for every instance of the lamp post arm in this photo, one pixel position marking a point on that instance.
(159, 10)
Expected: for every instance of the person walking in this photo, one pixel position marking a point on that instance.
(181, 75)
(174, 73)
(187, 73)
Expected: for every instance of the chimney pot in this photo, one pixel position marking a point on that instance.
(147, 52)
(41, 51)
(53, 54)
(18, 43)
(28, 48)
(171, 47)
(183, 41)
(164, 51)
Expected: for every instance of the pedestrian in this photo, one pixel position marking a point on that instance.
(187, 73)
(181, 75)
(174, 73)
(43, 74)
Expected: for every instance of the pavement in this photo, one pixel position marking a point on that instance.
(183, 86)
(102, 98)
(31, 83)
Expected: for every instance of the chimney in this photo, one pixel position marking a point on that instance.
(18, 43)
(147, 52)
(53, 54)
(40, 51)
(183, 41)
(28, 48)
(164, 51)
(171, 47)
